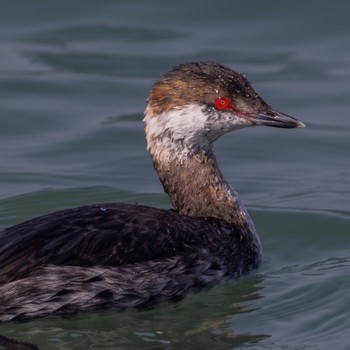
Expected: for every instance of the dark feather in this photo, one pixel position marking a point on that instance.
(114, 255)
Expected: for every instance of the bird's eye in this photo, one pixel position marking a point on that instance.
(222, 103)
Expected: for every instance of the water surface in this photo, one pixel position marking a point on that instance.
(74, 77)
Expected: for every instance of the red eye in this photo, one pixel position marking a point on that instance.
(222, 103)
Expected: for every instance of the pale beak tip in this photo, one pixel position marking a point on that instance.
(300, 124)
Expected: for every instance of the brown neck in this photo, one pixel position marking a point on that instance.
(196, 187)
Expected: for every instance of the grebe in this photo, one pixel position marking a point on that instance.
(121, 255)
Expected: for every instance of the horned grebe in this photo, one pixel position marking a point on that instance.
(121, 255)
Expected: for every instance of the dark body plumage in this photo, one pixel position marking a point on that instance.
(121, 255)
(114, 255)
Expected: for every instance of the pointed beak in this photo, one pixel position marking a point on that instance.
(275, 119)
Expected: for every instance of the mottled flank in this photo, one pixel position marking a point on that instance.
(119, 255)
(115, 256)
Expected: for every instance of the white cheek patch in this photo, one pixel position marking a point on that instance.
(178, 132)
(181, 123)
(190, 128)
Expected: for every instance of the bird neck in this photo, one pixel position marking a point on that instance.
(196, 187)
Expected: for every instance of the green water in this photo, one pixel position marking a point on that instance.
(74, 77)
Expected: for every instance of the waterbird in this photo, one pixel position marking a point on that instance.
(120, 256)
